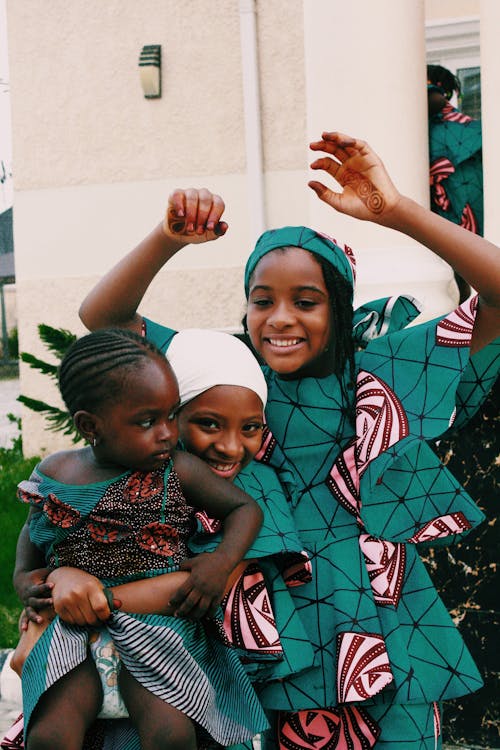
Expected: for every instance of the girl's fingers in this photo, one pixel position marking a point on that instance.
(194, 211)
(31, 614)
(216, 210)
(325, 194)
(177, 201)
(176, 212)
(36, 603)
(221, 228)
(342, 141)
(205, 201)
(192, 200)
(327, 164)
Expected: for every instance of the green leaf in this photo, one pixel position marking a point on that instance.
(57, 340)
(59, 420)
(38, 364)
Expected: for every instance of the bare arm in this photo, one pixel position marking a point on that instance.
(241, 518)
(192, 217)
(369, 194)
(30, 574)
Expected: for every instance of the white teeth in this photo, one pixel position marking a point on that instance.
(283, 343)
(222, 467)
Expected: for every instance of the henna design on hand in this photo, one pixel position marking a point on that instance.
(365, 190)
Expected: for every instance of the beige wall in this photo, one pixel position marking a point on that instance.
(441, 9)
(94, 160)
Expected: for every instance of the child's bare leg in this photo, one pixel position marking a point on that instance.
(149, 595)
(160, 726)
(66, 710)
(27, 640)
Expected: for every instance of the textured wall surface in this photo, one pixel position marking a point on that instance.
(79, 114)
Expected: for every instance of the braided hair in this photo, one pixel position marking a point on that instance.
(94, 368)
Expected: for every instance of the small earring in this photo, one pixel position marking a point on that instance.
(93, 442)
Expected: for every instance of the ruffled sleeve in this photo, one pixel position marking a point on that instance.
(411, 385)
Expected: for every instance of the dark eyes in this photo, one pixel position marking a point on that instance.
(208, 424)
(214, 426)
(150, 421)
(252, 427)
(303, 304)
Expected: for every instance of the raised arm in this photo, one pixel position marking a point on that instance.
(192, 217)
(369, 194)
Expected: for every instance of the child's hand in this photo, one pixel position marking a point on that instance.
(203, 591)
(35, 593)
(194, 216)
(79, 597)
(368, 192)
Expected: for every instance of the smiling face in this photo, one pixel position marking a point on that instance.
(223, 427)
(288, 313)
(138, 430)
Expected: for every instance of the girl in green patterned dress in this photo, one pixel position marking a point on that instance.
(354, 399)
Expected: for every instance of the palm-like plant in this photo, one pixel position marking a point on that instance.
(57, 341)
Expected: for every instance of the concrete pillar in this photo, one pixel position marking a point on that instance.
(490, 114)
(366, 76)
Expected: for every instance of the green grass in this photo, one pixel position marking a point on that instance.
(13, 468)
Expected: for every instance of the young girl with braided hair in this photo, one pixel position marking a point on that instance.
(122, 509)
(354, 399)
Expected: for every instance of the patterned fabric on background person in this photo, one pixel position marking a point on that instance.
(456, 168)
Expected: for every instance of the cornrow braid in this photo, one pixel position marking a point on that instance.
(93, 368)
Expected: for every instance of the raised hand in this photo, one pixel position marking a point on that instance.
(368, 192)
(194, 216)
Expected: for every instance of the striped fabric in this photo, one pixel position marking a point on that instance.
(206, 681)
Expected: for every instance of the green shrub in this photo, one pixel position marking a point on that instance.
(13, 344)
(13, 468)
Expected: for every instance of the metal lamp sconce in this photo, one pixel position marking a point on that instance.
(150, 71)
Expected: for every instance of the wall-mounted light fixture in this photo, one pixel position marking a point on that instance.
(150, 70)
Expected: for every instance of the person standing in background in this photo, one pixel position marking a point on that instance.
(456, 163)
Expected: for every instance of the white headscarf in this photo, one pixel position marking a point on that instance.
(202, 358)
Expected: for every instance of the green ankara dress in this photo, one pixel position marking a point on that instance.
(387, 651)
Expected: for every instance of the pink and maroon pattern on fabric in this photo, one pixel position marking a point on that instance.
(451, 114)
(363, 668)
(266, 447)
(456, 329)
(440, 170)
(454, 523)
(249, 621)
(386, 564)
(469, 220)
(346, 728)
